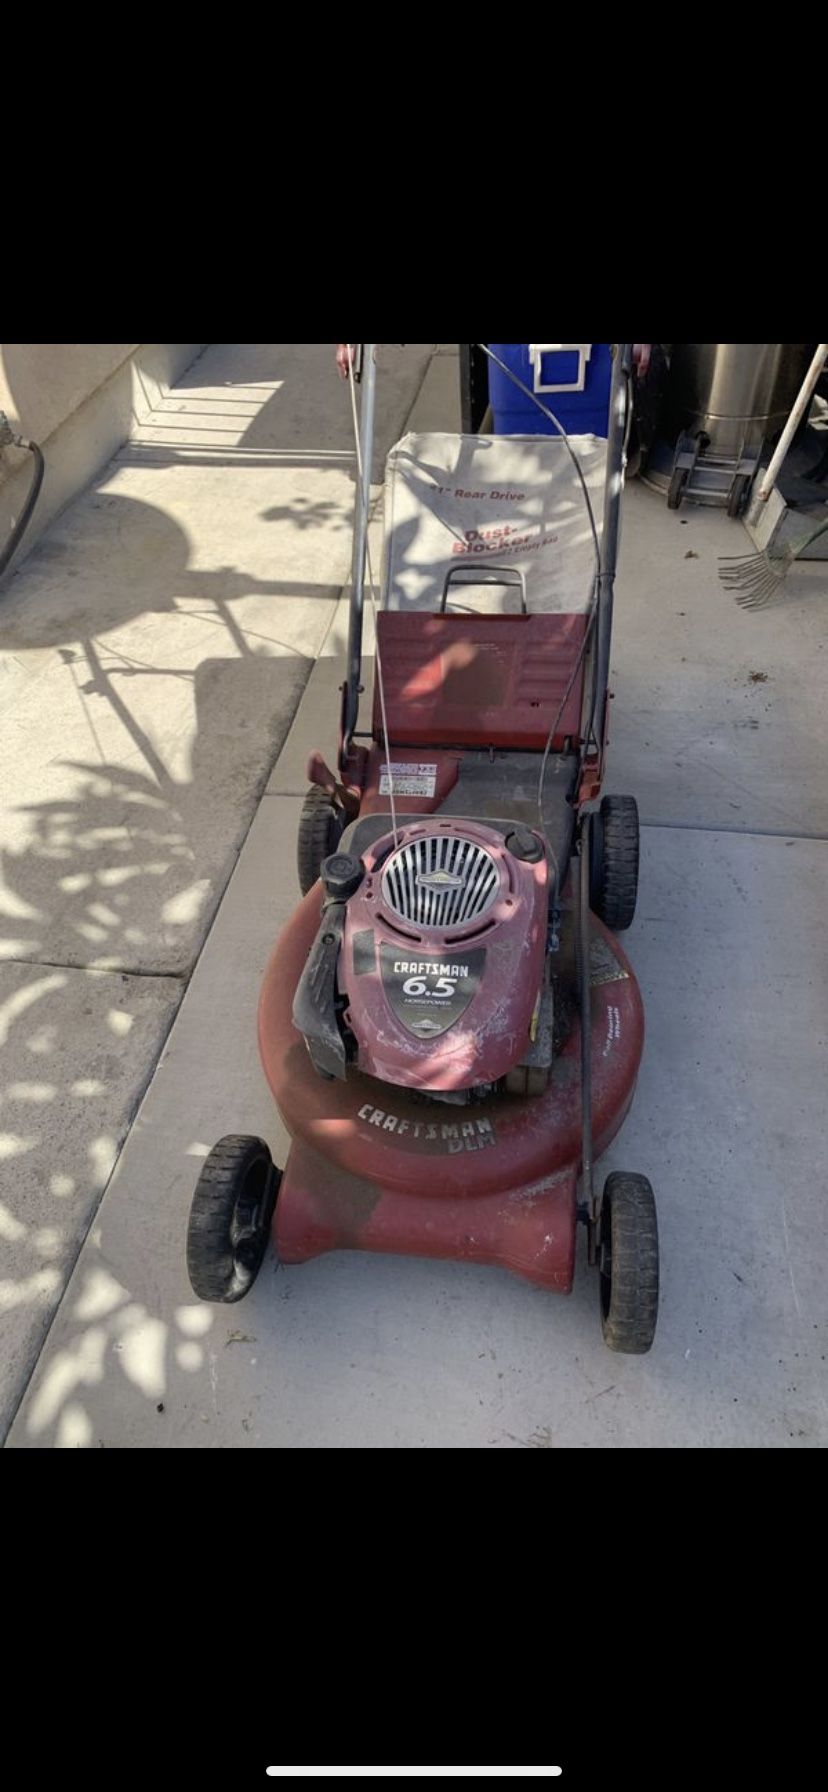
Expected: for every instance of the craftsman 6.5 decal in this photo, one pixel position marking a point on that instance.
(429, 994)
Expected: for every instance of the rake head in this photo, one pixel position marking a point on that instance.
(755, 578)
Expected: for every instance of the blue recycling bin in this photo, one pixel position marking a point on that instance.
(572, 379)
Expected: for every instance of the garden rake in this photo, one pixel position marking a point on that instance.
(756, 578)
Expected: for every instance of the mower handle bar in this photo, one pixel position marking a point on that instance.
(351, 688)
(508, 575)
(597, 679)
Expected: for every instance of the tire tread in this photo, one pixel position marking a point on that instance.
(320, 830)
(615, 898)
(211, 1266)
(629, 1324)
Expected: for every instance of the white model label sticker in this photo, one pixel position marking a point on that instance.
(613, 1029)
(409, 778)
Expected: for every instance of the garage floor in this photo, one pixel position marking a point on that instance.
(720, 731)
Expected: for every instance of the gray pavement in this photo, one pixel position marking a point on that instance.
(720, 731)
(153, 650)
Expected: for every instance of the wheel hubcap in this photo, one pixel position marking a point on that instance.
(249, 1230)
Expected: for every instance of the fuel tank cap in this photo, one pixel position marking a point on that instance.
(341, 873)
(523, 844)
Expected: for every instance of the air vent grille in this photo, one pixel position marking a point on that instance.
(440, 881)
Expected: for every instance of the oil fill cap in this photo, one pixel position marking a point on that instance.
(342, 873)
(523, 844)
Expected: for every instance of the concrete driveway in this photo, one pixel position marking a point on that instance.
(719, 731)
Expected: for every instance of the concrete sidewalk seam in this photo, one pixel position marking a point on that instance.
(726, 827)
(99, 970)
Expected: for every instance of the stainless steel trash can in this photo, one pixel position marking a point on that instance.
(737, 393)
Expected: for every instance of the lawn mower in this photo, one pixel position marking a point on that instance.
(448, 1024)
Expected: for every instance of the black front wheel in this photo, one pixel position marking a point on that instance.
(628, 1264)
(230, 1218)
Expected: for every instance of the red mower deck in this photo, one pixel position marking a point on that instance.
(374, 1168)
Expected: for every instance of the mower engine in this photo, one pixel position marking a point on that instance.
(429, 969)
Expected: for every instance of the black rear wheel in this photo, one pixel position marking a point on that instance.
(613, 871)
(628, 1264)
(230, 1218)
(676, 488)
(321, 825)
(737, 496)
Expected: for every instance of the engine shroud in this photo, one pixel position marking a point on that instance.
(443, 955)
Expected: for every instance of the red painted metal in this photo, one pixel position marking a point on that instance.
(510, 942)
(479, 681)
(530, 1231)
(374, 1167)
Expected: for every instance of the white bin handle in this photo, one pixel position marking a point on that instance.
(538, 349)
